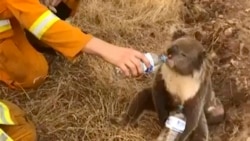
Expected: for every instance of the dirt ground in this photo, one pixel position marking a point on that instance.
(77, 100)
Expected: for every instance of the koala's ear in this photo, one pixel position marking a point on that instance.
(178, 34)
(198, 36)
(203, 55)
(200, 59)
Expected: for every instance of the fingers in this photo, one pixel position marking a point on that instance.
(138, 66)
(143, 58)
(55, 2)
(52, 8)
(128, 68)
(125, 70)
(130, 61)
(51, 3)
(47, 2)
(132, 67)
(134, 64)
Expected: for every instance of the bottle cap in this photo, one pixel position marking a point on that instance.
(163, 58)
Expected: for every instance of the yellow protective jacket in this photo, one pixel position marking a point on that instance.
(43, 24)
(14, 125)
(5, 119)
(20, 64)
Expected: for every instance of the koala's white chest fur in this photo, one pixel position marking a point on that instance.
(184, 87)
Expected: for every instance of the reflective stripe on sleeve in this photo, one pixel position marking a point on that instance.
(4, 25)
(4, 136)
(43, 23)
(5, 117)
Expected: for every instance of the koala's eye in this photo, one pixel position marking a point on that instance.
(172, 50)
(183, 54)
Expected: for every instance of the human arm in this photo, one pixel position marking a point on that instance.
(70, 40)
(127, 59)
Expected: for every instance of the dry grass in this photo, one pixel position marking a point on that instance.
(75, 103)
(143, 25)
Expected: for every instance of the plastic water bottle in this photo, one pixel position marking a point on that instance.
(176, 124)
(154, 60)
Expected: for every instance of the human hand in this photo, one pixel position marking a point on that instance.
(127, 59)
(51, 4)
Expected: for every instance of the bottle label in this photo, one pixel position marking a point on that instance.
(175, 124)
(151, 61)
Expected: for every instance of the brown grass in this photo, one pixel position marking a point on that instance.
(75, 103)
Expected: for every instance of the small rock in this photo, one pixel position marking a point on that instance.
(213, 55)
(228, 32)
(247, 10)
(221, 16)
(213, 22)
(225, 66)
(232, 21)
(234, 63)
